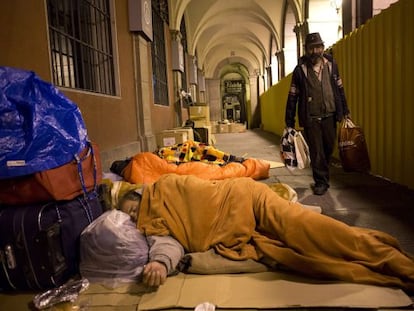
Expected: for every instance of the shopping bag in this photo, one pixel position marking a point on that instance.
(301, 150)
(294, 150)
(353, 151)
(287, 149)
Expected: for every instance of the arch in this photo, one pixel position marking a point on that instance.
(176, 9)
(290, 48)
(234, 100)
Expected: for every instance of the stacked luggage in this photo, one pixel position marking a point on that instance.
(49, 177)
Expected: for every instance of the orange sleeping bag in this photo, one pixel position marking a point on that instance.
(147, 167)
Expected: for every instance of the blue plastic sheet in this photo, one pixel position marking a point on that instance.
(40, 128)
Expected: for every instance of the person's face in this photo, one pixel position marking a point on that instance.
(315, 52)
(131, 207)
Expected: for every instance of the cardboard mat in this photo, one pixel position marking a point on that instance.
(265, 290)
(268, 290)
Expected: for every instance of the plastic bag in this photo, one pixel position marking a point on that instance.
(294, 150)
(287, 148)
(40, 128)
(353, 150)
(301, 150)
(112, 250)
(67, 292)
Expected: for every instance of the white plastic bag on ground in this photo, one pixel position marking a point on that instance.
(112, 250)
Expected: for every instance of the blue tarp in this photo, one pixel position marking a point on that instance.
(40, 128)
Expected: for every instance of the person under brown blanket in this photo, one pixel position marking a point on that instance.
(244, 219)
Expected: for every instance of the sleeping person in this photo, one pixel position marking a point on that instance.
(241, 219)
(113, 252)
(164, 251)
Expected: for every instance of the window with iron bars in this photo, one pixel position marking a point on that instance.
(183, 31)
(159, 63)
(81, 45)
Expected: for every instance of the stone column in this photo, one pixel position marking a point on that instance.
(253, 110)
(178, 63)
(269, 77)
(143, 91)
(301, 30)
(281, 63)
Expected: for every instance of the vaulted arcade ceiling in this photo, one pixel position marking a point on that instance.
(221, 32)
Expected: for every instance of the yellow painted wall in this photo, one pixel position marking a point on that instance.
(272, 105)
(376, 64)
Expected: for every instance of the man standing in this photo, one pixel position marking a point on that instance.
(317, 92)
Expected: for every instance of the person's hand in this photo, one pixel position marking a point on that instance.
(155, 274)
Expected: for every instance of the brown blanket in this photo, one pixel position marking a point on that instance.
(241, 218)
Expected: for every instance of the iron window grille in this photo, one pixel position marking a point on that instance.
(183, 31)
(159, 63)
(81, 45)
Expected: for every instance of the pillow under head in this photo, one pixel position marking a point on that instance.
(112, 250)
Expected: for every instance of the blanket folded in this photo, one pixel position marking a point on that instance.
(243, 219)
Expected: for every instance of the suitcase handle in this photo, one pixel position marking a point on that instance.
(10, 258)
(84, 203)
(39, 215)
(80, 172)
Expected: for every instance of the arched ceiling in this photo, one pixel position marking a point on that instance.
(250, 32)
(220, 32)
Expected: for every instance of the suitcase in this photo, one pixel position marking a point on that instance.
(39, 244)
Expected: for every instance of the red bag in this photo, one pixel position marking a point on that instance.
(353, 151)
(65, 182)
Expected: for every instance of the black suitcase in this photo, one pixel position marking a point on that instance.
(39, 244)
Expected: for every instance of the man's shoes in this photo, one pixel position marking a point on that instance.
(320, 189)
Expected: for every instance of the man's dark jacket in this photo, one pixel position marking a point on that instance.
(298, 93)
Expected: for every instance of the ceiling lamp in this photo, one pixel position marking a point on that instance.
(337, 5)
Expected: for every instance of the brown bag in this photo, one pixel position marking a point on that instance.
(353, 151)
(65, 182)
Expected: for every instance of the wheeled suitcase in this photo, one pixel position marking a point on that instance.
(39, 244)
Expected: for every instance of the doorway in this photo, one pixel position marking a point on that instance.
(233, 101)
